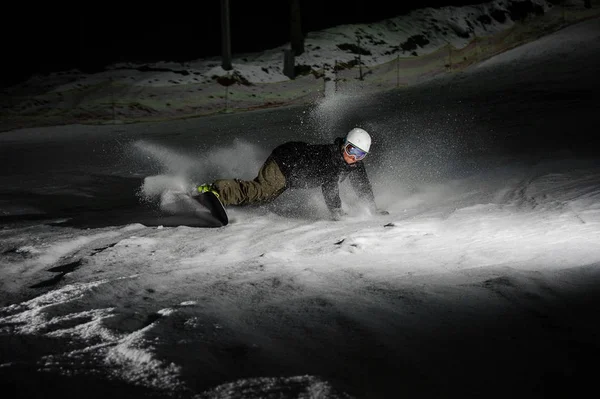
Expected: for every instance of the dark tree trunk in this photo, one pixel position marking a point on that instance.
(296, 35)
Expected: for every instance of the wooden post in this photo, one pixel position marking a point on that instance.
(398, 71)
(226, 98)
(360, 74)
(112, 100)
(335, 78)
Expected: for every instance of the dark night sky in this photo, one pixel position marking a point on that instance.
(44, 39)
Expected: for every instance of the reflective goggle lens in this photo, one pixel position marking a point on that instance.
(355, 152)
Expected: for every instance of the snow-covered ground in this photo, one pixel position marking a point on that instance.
(482, 281)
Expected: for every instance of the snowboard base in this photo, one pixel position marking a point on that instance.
(211, 202)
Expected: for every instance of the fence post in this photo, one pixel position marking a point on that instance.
(335, 77)
(112, 101)
(227, 83)
(360, 74)
(398, 71)
(226, 98)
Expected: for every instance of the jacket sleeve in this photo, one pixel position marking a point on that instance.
(331, 194)
(362, 186)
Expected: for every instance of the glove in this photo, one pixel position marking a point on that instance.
(337, 214)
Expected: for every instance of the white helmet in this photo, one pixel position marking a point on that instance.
(359, 138)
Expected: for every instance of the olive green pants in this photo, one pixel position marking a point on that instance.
(265, 187)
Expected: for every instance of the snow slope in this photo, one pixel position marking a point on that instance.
(482, 281)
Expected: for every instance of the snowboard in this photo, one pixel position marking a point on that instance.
(211, 202)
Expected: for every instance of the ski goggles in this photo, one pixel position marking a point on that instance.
(354, 151)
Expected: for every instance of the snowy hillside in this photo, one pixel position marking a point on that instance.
(130, 92)
(420, 32)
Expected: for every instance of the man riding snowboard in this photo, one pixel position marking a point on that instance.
(301, 165)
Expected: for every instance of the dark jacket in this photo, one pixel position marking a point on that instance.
(313, 165)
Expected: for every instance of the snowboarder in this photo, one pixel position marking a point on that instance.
(302, 165)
